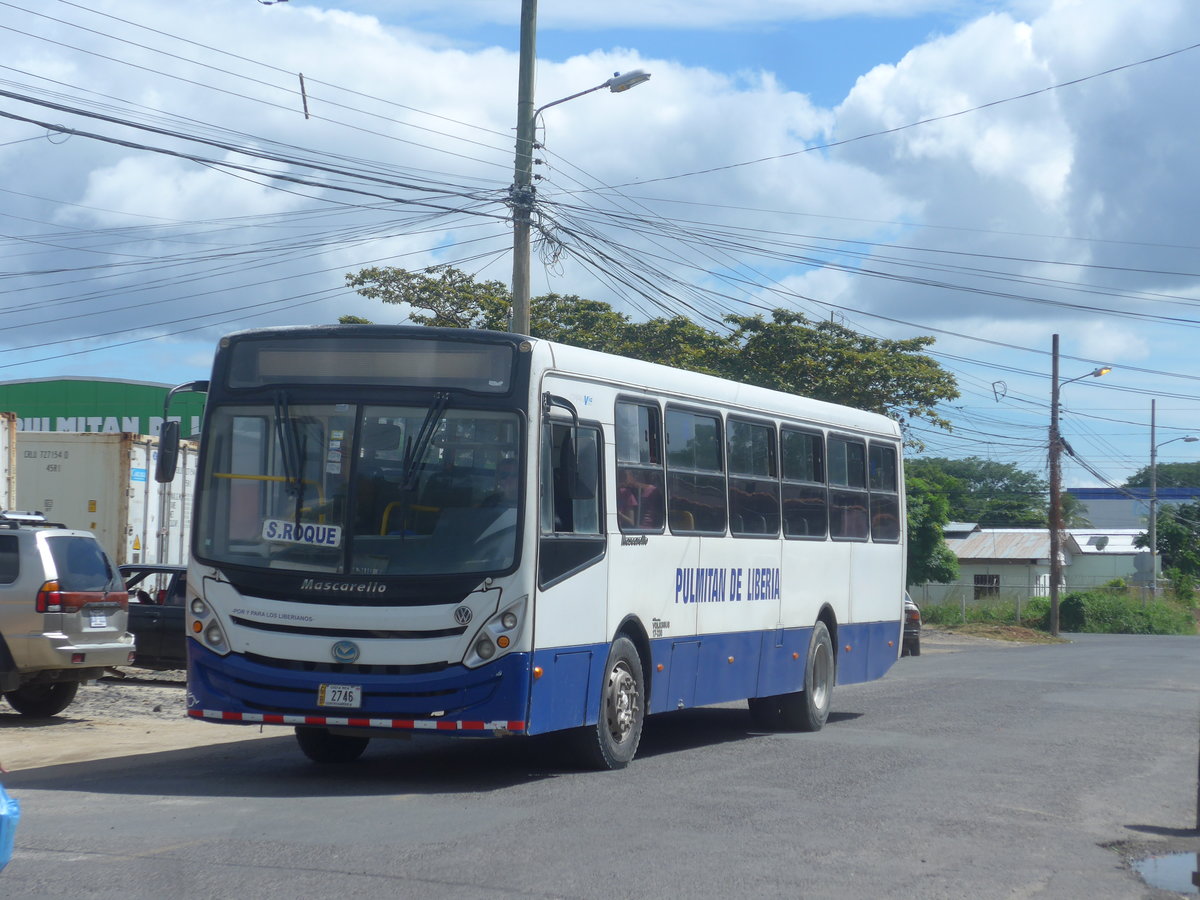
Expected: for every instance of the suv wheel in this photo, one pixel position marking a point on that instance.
(40, 701)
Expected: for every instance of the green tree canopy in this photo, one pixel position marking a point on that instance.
(993, 494)
(831, 362)
(1178, 538)
(1184, 474)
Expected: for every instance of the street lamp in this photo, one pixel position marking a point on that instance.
(1187, 439)
(1056, 523)
(521, 194)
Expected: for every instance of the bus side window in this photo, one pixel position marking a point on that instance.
(885, 497)
(641, 502)
(696, 498)
(753, 479)
(849, 515)
(805, 497)
(570, 480)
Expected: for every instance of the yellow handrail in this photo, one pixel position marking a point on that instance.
(387, 512)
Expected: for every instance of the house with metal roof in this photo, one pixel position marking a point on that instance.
(1014, 563)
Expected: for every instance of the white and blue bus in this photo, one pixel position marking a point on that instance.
(480, 533)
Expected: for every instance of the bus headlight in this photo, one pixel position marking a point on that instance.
(499, 634)
(214, 638)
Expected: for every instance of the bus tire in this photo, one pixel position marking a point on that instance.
(613, 741)
(808, 710)
(322, 746)
(41, 701)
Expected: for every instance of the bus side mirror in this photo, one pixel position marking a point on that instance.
(168, 453)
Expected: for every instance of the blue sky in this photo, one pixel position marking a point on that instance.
(820, 58)
(1069, 211)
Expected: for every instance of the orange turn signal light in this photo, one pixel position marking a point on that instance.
(537, 672)
(197, 627)
(502, 641)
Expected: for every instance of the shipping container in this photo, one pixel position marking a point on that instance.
(104, 483)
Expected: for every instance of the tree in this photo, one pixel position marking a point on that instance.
(831, 362)
(1177, 535)
(929, 557)
(986, 492)
(1185, 474)
(451, 297)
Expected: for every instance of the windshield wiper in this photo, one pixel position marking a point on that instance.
(415, 451)
(291, 452)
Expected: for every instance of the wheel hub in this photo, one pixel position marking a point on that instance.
(622, 702)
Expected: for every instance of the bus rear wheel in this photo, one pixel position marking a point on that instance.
(613, 741)
(322, 746)
(805, 710)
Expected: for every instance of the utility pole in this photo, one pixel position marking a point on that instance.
(1153, 508)
(521, 194)
(1055, 491)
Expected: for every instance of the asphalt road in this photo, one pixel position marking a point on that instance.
(983, 770)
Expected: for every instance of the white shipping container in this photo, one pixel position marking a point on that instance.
(8, 460)
(104, 483)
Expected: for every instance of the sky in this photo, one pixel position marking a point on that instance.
(988, 174)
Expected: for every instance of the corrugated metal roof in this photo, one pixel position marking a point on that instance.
(1034, 543)
(994, 543)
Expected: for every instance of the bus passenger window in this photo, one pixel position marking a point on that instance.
(849, 515)
(695, 477)
(805, 498)
(885, 498)
(753, 480)
(641, 501)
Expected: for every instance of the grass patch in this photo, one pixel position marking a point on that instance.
(1112, 609)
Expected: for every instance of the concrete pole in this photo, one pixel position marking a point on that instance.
(521, 195)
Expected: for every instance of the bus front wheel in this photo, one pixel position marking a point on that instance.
(613, 741)
(322, 746)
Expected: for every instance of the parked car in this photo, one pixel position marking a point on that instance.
(63, 613)
(911, 645)
(156, 599)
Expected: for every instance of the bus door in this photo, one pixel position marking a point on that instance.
(571, 632)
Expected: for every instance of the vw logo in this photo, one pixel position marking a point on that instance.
(344, 651)
(463, 615)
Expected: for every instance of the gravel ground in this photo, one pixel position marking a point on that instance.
(127, 712)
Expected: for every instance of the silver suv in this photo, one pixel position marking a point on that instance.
(63, 613)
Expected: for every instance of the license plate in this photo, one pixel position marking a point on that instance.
(98, 620)
(348, 696)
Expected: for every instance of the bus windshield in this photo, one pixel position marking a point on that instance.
(360, 490)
